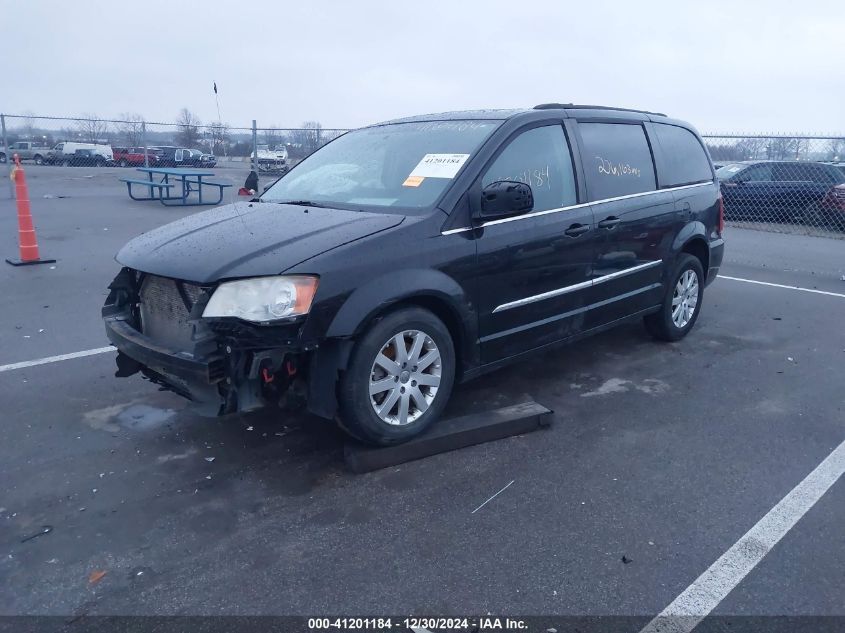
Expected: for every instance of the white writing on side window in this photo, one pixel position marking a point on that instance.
(616, 169)
(535, 178)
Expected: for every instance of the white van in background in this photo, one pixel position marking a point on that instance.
(62, 153)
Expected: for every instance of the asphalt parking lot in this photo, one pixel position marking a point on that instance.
(661, 457)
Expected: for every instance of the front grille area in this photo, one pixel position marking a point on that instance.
(165, 311)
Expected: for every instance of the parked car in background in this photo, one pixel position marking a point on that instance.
(199, 158)
(208, 160)
(777, 191)
(405, 257)
(63, 153)
(838, 164)
(134, 156)
(26, 150)
(270, 160)
(86, 158)
(171, 156)
(832, 208)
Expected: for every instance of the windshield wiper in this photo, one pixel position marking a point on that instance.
(302, 203)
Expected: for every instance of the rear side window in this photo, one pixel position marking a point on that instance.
(755, 173)
(617, 160)
(685, 160)
(802, 172)
(539, 158)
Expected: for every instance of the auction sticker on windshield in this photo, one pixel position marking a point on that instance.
(439, 165)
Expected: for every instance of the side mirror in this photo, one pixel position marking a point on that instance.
(506, 197)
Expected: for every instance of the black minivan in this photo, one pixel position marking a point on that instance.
(404, 257)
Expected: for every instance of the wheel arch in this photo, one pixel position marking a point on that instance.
(693, 241)
(430, 289)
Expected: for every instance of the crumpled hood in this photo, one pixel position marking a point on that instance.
(247, 239)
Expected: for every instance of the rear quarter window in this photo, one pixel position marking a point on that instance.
(685, 161)
(617, 160)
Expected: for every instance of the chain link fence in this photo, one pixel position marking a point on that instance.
(775, 182)
(133, 142)
(783, 183)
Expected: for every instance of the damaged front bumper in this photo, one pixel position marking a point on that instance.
(224, 366)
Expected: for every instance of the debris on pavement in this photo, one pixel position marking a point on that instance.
(626, 560)
(45, 529)
(96, 576)
(209, 459)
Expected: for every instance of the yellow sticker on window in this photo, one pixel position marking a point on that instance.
(413, 181)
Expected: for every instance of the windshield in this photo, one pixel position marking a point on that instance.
(399, 165)
(729, 170)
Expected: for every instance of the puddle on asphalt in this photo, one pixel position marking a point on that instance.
(134, 416)
(141, 417)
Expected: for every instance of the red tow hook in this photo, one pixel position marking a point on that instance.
(267, 376)
(291, 369)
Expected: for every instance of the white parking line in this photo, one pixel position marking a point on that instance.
(493, 497)
(103, 350)
(766, 283)
(711, 587)
(55, 359)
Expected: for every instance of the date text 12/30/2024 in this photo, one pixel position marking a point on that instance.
(486, 623)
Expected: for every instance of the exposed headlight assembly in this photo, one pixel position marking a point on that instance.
(263, 299)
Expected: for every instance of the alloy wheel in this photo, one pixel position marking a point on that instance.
(685, 298)
(405, 377)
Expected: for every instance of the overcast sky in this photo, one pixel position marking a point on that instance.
(739, 65)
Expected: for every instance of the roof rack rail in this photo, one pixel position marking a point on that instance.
(573, 106)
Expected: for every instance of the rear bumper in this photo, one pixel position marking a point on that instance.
(717, 253)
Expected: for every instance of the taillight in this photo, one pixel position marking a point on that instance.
(721, 224)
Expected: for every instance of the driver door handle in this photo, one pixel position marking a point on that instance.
(609, 222)
(575, 230)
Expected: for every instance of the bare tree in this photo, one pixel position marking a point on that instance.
(782, 148)
(28, 125)
(836, 148)
(750, 147)
(189, 128)
(131, 129)
(308, 138)
(91, 128)
(724, 151)
(271, 136)
(218, 137)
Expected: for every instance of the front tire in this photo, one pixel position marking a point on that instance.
(399, 378)
(682, 302)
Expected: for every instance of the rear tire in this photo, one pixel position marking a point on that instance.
(388, 395)
(123, 163)
(38, 159)
(682, 303)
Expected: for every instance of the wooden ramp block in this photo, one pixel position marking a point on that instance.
(451, 434)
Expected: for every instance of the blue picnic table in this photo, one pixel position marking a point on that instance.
(185, 182)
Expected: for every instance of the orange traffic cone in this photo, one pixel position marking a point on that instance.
(26, 231)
